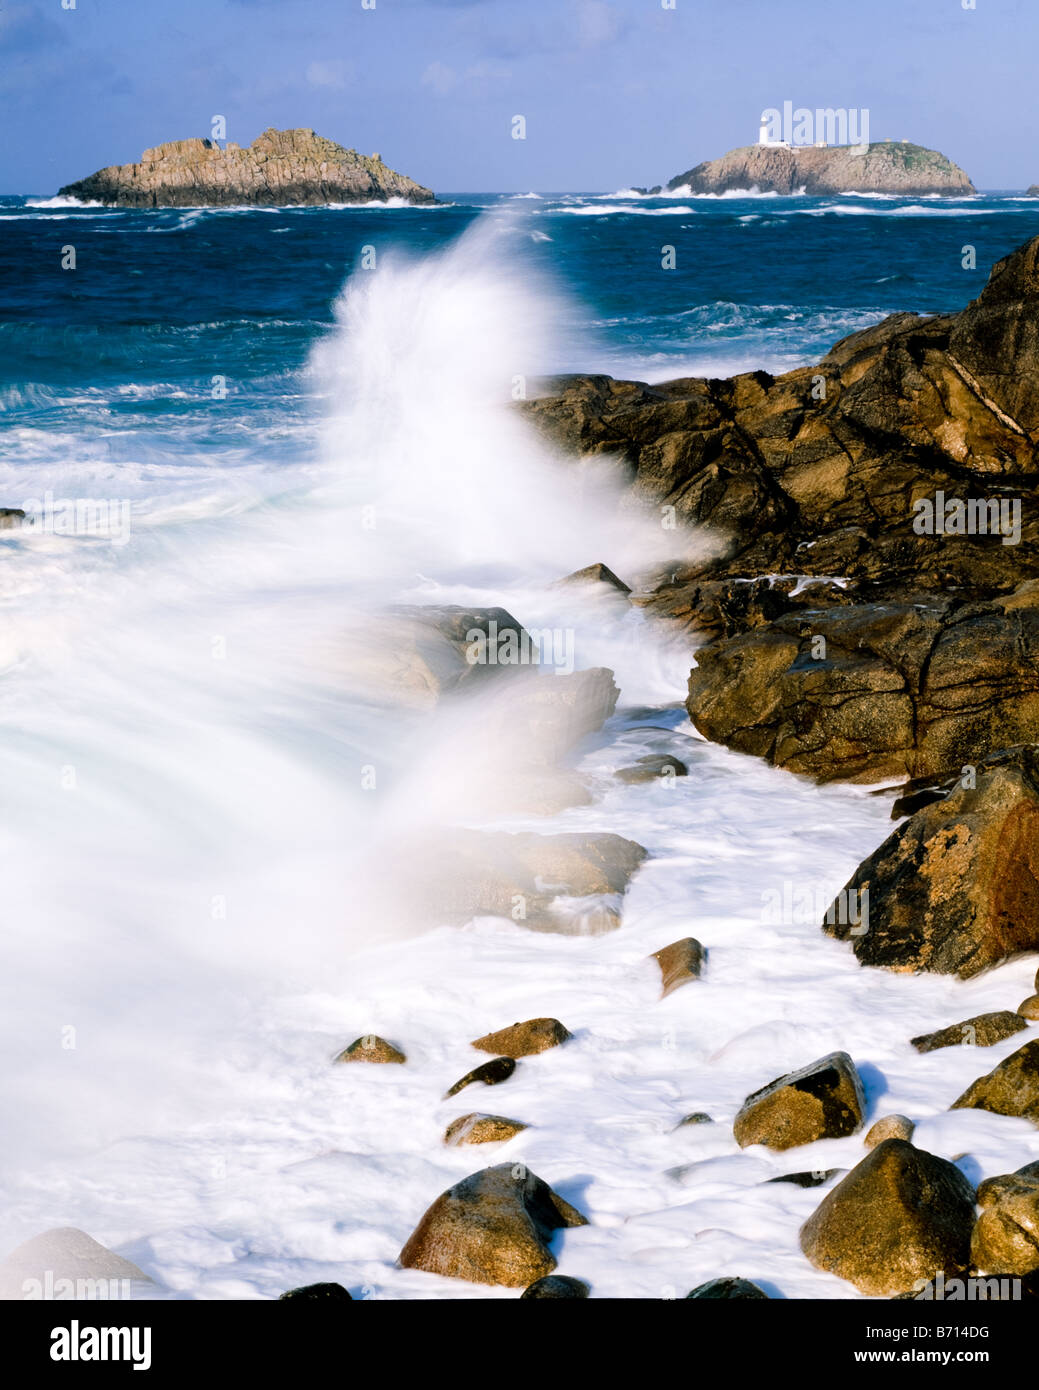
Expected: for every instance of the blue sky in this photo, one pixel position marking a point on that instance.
(614, 92)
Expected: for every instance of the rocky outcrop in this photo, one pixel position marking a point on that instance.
(820, 1101)
(899, 1217)
(1011, 1088)
(281, 168)
(874, 535)
(493, 1227)
(525, 1039)
(885, 167)
(654, 767)
(955, 889)
(1006, 1237)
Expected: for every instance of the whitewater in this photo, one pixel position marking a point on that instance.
(196, 919)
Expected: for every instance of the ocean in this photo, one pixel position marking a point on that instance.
(294, 418)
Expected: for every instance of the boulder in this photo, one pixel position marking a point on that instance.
(371, 1048)
(65, 1263)
(680, 963)
(698, 1117)
(1011, 1088)
(1029, 1008)
(481, 1129)
(1006, 1237)
(281, 167)
(493, 1227)
(898, 1217)
(821, 1101)
(727, 1288)
(557, 1286)
(490, 1073)
(981, 1031)
(11, 518)
(318, 1293)
(955, 889)
(889, 1127)
(524, 1039)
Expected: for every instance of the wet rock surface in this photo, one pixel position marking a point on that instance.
(820, 1101)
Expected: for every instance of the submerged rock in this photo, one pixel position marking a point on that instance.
(654, 767)
(727, 1288)
(1006, 1237)
(1011, 1088)
(955, 889)
(65, 1263)
(493, 1227)
(984, 1030)
(482, 1129)
(557, 1286)
(597, 574)
(680, 963)
(490, 1073)
(371, 1048)
(820, 1101)
(286, 168)
(319, 1293)
(900, 1216)
(817, 1177)
(525, 1039)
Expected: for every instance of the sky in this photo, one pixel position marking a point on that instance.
(614, 93)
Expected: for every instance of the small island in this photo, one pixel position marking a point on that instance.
(890, 166)
(1033, 192)
(281, 168)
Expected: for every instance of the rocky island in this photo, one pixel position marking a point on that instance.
(887, 167)
(283, 168)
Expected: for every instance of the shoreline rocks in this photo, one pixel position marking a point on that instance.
(821, 1101)
(281, 168)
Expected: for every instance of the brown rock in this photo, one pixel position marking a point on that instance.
(679, 963)
(371, 1048)
(525, 1039)
(898, 1217)
(698, 1117)
(481, 1129)
(1029, 1008)
(981, 1031)
(490, 1073)
(890, 1127)
(1006, 1237)
(955, 889)
(820, 1101)
(1011, 1088)
(493, 1227)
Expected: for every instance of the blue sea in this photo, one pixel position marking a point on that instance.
(239, 436)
